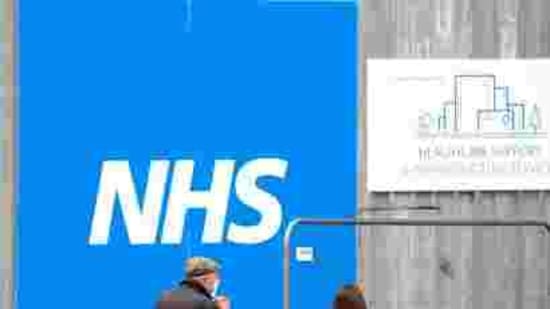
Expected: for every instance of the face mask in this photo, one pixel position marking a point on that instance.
(215, 288)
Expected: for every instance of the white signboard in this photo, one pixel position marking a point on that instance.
(445, 125)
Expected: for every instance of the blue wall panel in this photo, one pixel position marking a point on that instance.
(108, 79)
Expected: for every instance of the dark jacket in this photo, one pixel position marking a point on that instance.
(188, 295)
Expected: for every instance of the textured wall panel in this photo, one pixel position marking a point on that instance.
(457, 267)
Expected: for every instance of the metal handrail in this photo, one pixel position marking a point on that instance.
(435, 221)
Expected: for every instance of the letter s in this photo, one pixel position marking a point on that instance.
(265, 203)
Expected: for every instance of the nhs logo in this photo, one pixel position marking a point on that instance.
(142, 214)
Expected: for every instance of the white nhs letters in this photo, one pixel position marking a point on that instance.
(142, 221)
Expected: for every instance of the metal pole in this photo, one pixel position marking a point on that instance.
(393, 221)
(286, 262)
(362, 136)
(7, 207)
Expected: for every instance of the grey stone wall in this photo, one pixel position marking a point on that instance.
(456, 28)
(480, 268)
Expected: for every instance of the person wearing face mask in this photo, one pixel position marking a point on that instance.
(199, 288)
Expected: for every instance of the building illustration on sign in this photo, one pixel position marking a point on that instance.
(482, 108)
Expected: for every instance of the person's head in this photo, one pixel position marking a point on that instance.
(204, 271)
(349, 297)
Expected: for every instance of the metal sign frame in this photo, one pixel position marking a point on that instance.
(435, 221)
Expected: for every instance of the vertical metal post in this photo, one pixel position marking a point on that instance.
(542, 199)
(543, 214)
(362, 141)
(7, 207)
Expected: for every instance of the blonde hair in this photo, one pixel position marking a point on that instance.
(199, 266)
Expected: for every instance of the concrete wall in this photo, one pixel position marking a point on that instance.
(427, 267)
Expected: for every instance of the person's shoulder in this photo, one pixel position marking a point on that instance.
(172, 295)
(185, 295)
(174, 299)
(206, 304)
(179, 303)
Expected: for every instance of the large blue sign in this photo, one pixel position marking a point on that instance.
(128, 107)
